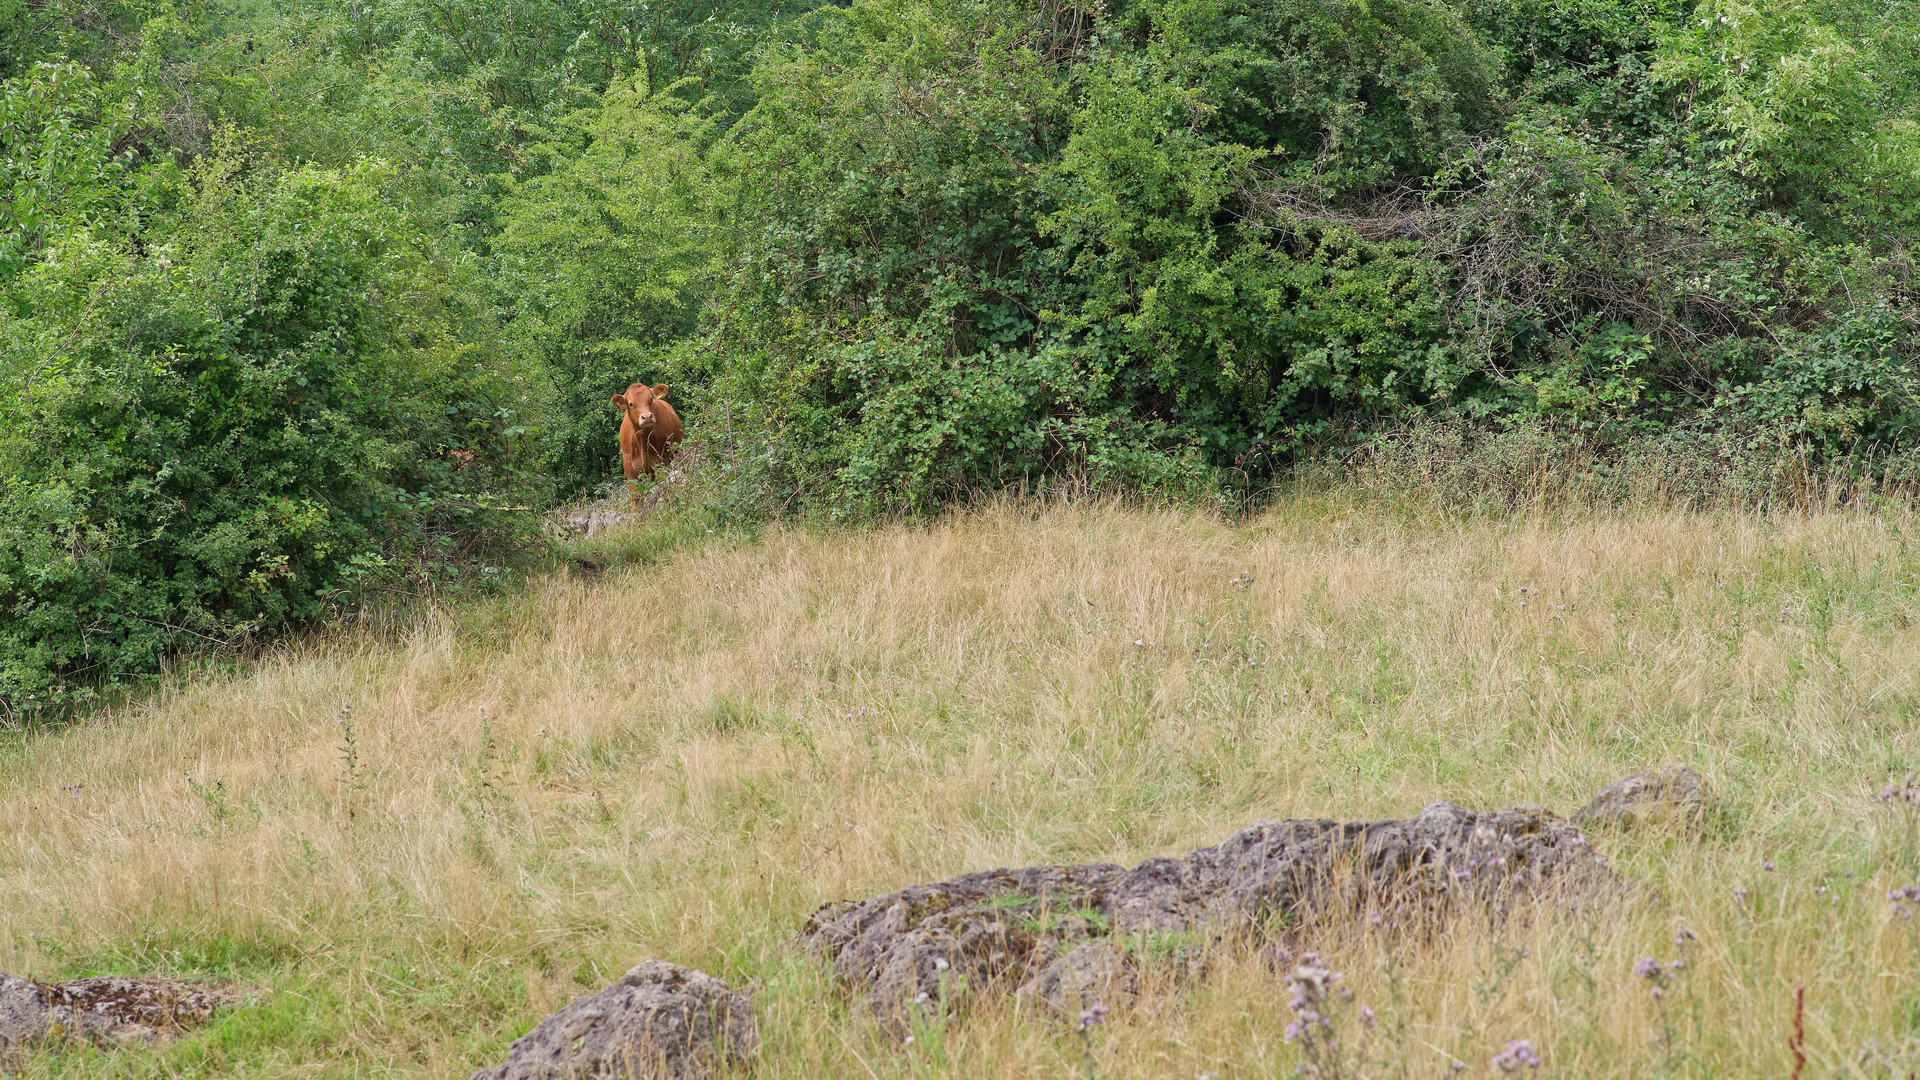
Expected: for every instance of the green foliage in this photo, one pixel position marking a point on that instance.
(1344, 94)
(971, 245)
(1786, 99)
(240, 423)
(1591, 58)
(978, 247)
(882, 325)
(1847, 388)
(91, 33)
(57, 151)
(244, 388)
(537, 56)
(1246, 334)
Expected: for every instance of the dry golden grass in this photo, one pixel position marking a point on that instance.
(682, 759)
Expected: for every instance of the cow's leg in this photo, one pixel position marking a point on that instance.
(633, 489)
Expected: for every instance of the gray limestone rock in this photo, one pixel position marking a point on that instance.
(660, 1020)
(593, 522)
(995, 930)
(1673, 793)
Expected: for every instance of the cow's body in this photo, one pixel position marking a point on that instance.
(649, 431)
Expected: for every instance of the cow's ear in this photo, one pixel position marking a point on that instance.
(619, 401)
(660, 391)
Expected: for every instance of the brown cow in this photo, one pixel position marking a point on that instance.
(648, 433)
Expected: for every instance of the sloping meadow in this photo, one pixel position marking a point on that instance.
(402, 849)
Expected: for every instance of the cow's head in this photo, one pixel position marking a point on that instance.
(638, 403)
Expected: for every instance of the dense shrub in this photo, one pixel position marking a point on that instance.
(883, 326)
(235, 415)
(979, 244)
(975, 243)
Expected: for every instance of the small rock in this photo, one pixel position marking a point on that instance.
(1675, 792)
(660, 1020)
(109, 1011)
(588, 524)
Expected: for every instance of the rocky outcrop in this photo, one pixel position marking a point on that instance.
(1675, 793)
(660, 1020)
(930, 945)
(108, 1011)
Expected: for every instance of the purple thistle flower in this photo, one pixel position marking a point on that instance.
(1647, 968)
(1093, 1015)
(1312, 984)
(1518, 1054)
(1907, 792)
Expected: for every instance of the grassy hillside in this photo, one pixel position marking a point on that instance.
(682, 756)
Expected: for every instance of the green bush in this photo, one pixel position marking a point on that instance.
(254, 396)
(976, 245)
(881, 335)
